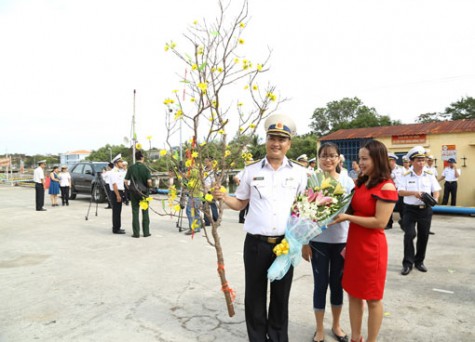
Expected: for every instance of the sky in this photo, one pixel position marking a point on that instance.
(68, 68)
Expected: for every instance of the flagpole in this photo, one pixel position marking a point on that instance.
(134, 137)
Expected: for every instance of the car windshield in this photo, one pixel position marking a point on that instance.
(99, 166)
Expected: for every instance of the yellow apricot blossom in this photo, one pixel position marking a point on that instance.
(203, 86)
(163, 153)
(209, 197)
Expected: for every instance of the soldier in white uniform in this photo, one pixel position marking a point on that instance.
(270, 187)
(39, 179)
(396, 172)
(116, 184)
(430, 166)
(411, 185)
(451, 175)
(303, 160)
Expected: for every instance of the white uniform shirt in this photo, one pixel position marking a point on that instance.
(433, 170)
(426, 182)
(449, 174)
(209, 180)
(271, 194)
(397, 172)
(116, 176)
(338, 233)
(64, 179)
(38, 175)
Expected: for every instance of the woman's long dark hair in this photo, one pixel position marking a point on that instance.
(381, 169)
(330, 145)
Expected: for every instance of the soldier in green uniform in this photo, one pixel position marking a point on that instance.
(138, 176)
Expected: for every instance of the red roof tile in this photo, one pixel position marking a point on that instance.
(443, 127)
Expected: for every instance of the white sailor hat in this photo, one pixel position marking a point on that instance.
(430, 156)
(117, 158)
(302, 157)
(392, 156)
(405, 159)
(416, 152)
(42, 162)
(313, 160)
(281, 125)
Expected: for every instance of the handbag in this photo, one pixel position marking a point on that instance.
(138, 189)
(428, 199)
(47, 182)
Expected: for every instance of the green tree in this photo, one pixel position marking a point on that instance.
(106, 152)
(461, 109)
(347, 113)
(432, 117)
(303, 144)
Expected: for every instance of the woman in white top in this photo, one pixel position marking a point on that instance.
(324, 251)
(64, 184)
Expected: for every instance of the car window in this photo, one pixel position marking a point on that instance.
(99, 167)
(88, 169)
(77, 169)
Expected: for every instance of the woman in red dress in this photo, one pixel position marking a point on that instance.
(366, 255)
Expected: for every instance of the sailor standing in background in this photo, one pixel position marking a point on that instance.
(39, 179)
(411, 185)
(396, 172)
(303, 160)
(451, 175)
(116, 182)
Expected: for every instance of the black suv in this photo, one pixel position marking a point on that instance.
(86, 178)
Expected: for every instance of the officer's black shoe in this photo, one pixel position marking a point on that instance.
(406, 270)
(421, 267)
(135, 236)
(431, 233)
(120, 231)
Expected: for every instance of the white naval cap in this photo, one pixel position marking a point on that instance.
(117, 158)
(302, 157)
(313, 160)
(281, 125)
(416, 152)
(392, 156)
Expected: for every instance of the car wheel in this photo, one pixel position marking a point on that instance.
(97, 194)
(72, 193)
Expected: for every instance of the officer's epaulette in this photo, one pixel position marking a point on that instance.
(428, 172)
(407, 173)
(253, 162)
(296, 162)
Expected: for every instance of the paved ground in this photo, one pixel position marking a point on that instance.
(63, 278)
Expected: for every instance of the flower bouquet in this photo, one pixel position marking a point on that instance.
(323, 199)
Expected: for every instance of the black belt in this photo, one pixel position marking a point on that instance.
(422, 206)
(269, 239)
(451, 181)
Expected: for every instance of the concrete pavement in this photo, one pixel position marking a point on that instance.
(63, 278)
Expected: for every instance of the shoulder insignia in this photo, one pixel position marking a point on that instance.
(428, 172)
(291, 161)
(407, 173)
(253, 162)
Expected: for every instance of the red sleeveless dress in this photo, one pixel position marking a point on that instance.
(366, 256)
